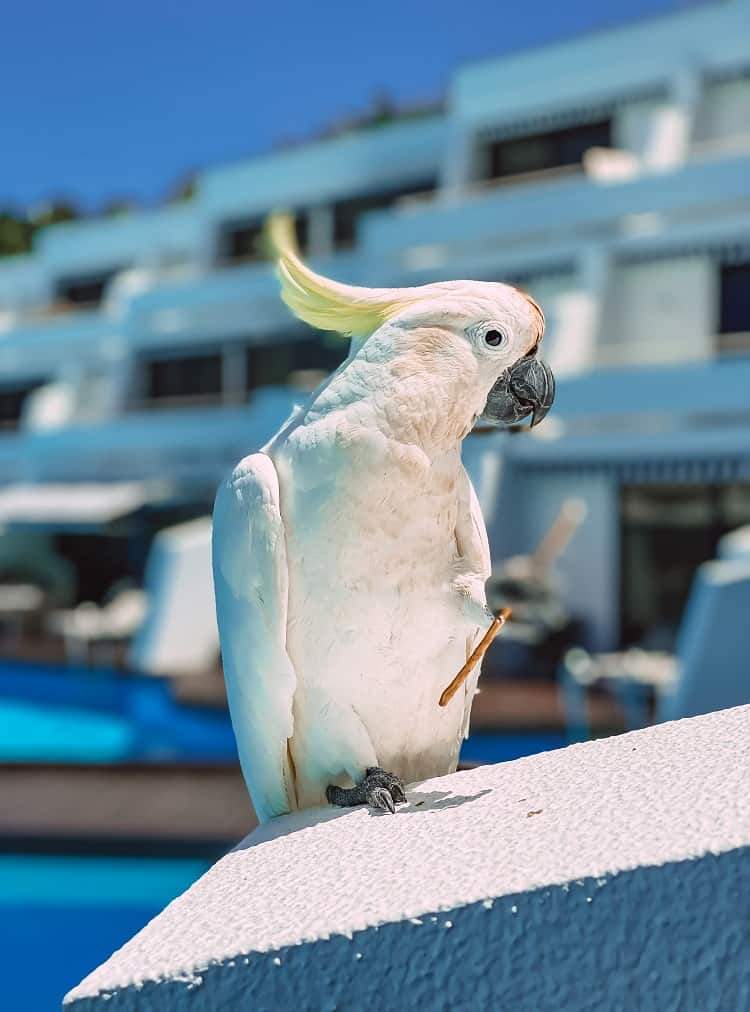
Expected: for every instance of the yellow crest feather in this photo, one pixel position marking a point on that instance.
(320, 301)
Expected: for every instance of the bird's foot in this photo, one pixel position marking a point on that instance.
(378, 789)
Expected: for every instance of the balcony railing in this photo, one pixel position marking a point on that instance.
(559, 204)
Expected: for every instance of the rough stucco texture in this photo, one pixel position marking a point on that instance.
(609, 875)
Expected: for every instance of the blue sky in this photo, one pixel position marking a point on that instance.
(101, 100)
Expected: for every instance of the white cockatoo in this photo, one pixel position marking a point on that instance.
(350, 554)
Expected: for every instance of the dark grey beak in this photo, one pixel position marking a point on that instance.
(527, 388)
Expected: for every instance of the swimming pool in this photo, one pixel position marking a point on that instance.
(499, 748)
(60, 916)
(53, 714)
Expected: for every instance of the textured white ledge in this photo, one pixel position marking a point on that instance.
(611, 875)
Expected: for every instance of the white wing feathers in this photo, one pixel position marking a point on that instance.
(251, 580)
(473, 544)
(480, 541)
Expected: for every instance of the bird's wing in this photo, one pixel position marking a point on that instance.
(471, 538)
(474, 547)
(479, 539)
(251, 580)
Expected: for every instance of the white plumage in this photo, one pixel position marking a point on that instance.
(350, 554)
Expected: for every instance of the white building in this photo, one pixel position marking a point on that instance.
(609, 175)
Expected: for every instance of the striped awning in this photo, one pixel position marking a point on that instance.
(725, 250)
(541, 119)
(658, 470)
(695, 449)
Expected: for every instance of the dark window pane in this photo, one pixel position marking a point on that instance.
(549, 150)
(12, 400)
(84, 291)
(242, 240)
(189, 376)
(273, 364)
(346, 213)
(667, 532)
(300, 227)
(100, 560)
(735, 299)
(119, 553)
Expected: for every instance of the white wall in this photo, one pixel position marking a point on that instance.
(660, 311)
(724, 110)
(179, 635)
(571, 311)
(652, 129)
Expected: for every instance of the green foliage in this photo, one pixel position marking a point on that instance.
(16, 230)
(183, 189)
(15, 234)
(53, 214)
(118, 207)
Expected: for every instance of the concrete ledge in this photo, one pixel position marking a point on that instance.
(613, 874)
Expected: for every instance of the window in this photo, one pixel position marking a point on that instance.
(100, 560)
(274, 364)
(667, 531)
(241, 241)
(12, 399)
(182, 378)
(734, 308)
(227, 373)
(346, 213)
(86, 290)
(549, 150)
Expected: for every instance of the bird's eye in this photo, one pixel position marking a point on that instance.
(490, 333)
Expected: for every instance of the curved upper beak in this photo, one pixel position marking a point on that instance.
(527, 388)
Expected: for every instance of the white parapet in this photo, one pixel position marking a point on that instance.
(609, 875)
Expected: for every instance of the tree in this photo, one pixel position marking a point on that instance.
(53, 214)
(15, 234)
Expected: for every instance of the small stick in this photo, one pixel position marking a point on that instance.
(476, 655)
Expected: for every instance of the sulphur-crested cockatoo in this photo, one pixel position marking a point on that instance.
(350, 554)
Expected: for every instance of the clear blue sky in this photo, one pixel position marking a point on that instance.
(103, 99)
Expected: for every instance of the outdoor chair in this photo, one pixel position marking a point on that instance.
(91, 629)
(709, 670)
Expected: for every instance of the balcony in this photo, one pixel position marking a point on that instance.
(557, 208)
(695, 417)
(320, 172)
(187, 444)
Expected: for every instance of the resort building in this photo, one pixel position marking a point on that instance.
(142, 355)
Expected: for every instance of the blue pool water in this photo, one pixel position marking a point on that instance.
(500, 748)
(30, 732)
(61, 916)
(53, 714)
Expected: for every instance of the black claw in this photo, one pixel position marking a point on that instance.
(380, 797)
(379, 789)
(398, 793)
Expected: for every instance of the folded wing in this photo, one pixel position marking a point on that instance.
(473, 544)
(251, 581)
